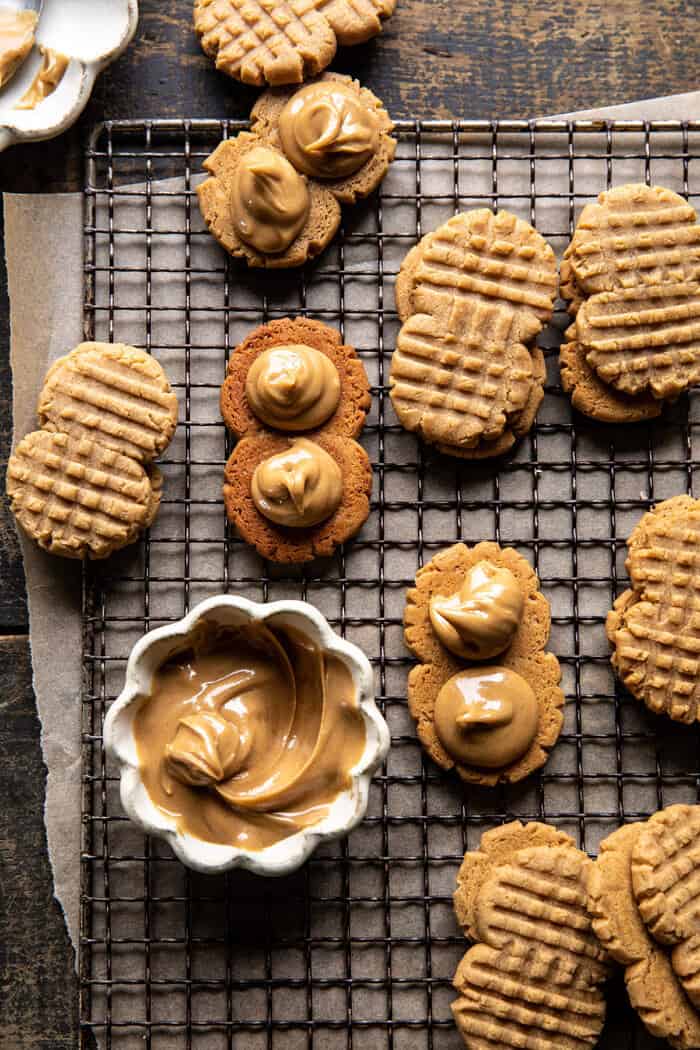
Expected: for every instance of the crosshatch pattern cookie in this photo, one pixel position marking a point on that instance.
(473, 295)
(654, 627)
(535, 975)
(525, 655)
(118, 395)
(247, 201)
(654, 988)
(259, 442)
(78, 486)
(77, 498)
(283, 41)
(631, 275)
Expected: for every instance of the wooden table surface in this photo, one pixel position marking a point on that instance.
(437, 58)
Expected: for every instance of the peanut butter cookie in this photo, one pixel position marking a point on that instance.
(274, 192)
(473, 296)
(292, 391)
(654, 627)
(284, 41)
(478, 624)
(534, 976)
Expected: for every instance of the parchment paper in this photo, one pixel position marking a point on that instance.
(44, 247)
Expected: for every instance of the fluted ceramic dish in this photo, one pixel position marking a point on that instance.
(91, 33)
(155, 648)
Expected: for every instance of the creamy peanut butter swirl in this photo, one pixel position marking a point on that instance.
(298, 487)
(327, 130)
(249, 736)
(16, 40)
(49, 76)
(293, 387)
(269, 200)
(486, 716)
(481, 618)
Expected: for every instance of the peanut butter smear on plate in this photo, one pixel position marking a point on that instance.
(249, 735)
(49, 76)
(17, 30)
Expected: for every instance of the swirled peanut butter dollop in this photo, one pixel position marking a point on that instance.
(16, 40)
(269, 200)
(49, 76)
(480, 619)
(298, 487)
(249, 735)
(327, 130)
(293, 387)
(486, 716)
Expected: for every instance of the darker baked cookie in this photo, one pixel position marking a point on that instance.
(353, 398)
(292, 545)
(478, 611)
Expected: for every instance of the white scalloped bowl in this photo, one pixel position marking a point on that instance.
(154, 649)
(91, 33)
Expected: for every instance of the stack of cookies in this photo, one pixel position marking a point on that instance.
(473, 296)
(84, 485)
(644, 897)
(631, 275)
(534, 976)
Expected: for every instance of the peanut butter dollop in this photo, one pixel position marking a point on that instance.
(480, 619)
(298, 487)
(486, 716)
(269, 200)
(16, 40)
(49, 76)
(293, 387)
(327, 130)
(249, 735)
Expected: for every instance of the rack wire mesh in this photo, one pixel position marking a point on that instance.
(360, 944)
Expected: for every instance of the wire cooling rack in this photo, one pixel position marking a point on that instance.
(361, 944)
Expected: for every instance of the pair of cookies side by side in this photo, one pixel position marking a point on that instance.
(84, 484)
(644, 899)
(297, 484)
(631, 276)
(274, 193)
(535, 974)
(485, 695)
(473, 295)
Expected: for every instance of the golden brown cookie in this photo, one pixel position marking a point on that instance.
(473, 295)
(594, 398)
(653, 988)
(534, 977)
(112, 393)
(76, 497)
(292, 545)
(666, 883)
(525, 656)
(654, 627)
(267, 111)
(354, 400)
(215, 193)
(284, 41)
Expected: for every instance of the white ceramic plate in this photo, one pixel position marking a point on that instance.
(92, 33)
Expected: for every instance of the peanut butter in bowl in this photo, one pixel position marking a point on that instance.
(246, 740)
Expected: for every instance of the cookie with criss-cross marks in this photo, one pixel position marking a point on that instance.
(632, 276)
(78, 498)
(283, 41)
(666, 883)
(654, 988)
(450, 577)
(112, 393)
(535, 975)
(473, 295)
(654, 627)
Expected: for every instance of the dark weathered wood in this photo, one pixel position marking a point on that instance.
(38, 1004)
(437, 58)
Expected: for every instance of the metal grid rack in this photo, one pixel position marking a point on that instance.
(362, 942)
